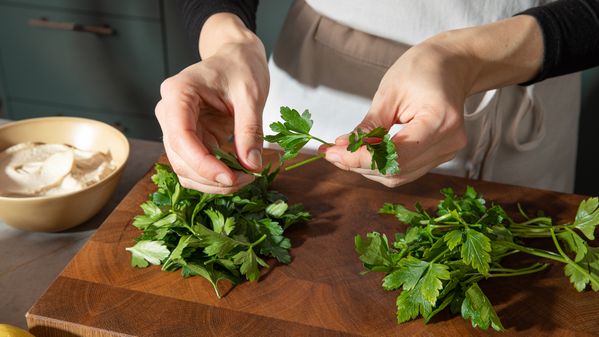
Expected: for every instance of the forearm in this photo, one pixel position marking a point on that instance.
(225, 28)
(502, 53)
(547, 41)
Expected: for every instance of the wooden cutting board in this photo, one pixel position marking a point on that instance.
(321, 293)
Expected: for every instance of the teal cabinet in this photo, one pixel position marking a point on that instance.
(112, 74)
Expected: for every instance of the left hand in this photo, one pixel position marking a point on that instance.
(424, 91)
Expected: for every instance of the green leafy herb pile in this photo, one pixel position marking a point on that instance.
(214, 236)
(294, 133)
(440, 259)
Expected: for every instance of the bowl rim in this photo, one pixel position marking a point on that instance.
(117, 171)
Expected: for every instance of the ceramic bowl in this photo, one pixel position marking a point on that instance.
(59, 212)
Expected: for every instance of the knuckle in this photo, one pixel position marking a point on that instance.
(253, 131)
(168, 85)
(178, 88)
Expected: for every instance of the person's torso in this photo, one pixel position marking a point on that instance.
(411, 21)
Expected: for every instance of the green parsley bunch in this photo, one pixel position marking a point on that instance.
(214, 236)
(439, 260)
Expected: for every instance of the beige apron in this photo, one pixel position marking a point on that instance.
(516, 135)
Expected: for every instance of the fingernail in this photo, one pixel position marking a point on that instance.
(333, 157)
(224, 179)
(255, 158)
(243, 179)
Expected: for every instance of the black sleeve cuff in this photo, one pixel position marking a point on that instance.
(570, 29)
(196, 12)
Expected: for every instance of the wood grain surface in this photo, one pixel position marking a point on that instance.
(321, 293)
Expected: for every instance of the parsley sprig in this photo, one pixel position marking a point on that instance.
(214, 236)
(440, 259)
(294, 133)
(382, 149)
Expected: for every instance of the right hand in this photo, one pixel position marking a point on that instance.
(207, 105)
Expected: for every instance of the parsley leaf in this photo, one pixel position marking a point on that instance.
(476, 249)
(587, 217)
(383, 151)
(477, 307)
(294, 133)
(148, 252)
(408, 275)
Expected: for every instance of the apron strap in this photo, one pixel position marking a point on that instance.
(537, 134)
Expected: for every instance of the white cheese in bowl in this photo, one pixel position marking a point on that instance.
(40, 169)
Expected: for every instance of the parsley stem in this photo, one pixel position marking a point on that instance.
(442, 226)
(320, 140)
(523, 271)
(557, 245)
(262, 238)
(511, 252)
(304, 162)
(542, 219)
(439, 255)
(535, 251)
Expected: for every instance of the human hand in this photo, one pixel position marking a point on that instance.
(424, 91)
(208, 103)
(426, 88)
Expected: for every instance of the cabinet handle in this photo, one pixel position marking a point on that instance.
(76, 27)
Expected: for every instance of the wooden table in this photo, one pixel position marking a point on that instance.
(321, 293)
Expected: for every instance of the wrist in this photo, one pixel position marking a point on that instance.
(454, 66)
(502, 53)
(224, 29)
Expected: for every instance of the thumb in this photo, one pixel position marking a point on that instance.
(248, 134)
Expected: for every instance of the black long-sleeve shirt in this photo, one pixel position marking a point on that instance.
(570, 29)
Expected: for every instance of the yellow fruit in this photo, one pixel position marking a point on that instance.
(12, 331)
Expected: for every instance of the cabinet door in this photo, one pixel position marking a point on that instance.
(118, 73)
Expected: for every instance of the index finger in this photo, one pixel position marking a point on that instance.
(178, 124)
